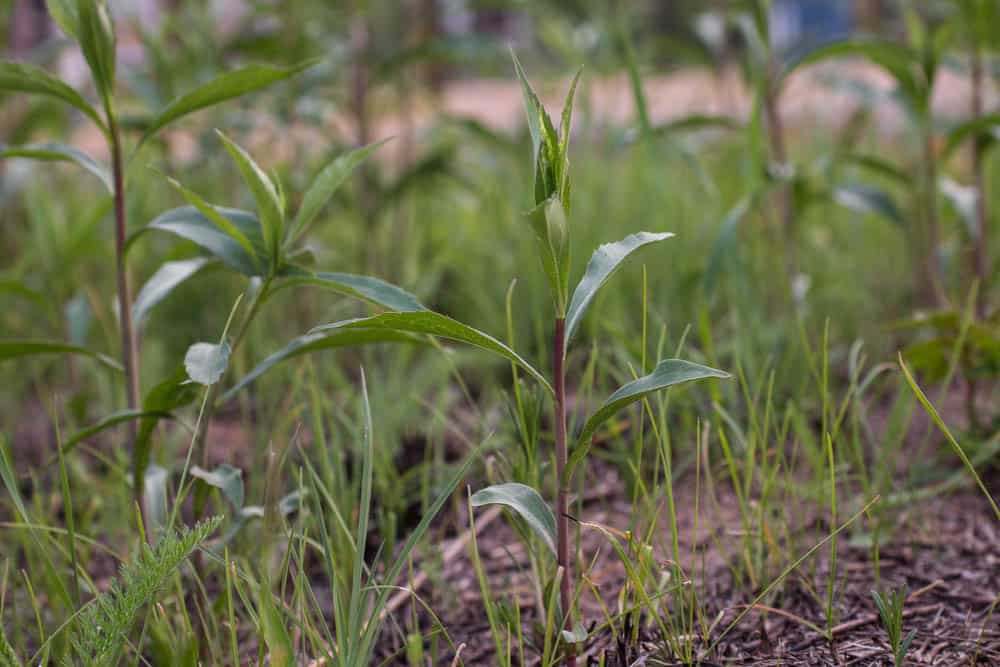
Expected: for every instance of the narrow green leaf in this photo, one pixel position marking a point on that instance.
(269, 206)
(879, 166)
(896, 59)
(64, 13)
(8, 476)
(866, 199)
(987, 127)
(15, 349)
(565, 127)
(114, 419)
(61, 153)
(214, 214)
(962, 198)
(434, 324)
(668, 373)
(224, 87)
(8, 658)
(23, 78)
(936, 417)
(314, 342)
(96, 34)
(191, 224)
(365, 288)
(273, 630)
(725, 242)
(527, 503)
(698, 122)
(371, 631)
(172, 393)
(206, 362)
(533, 111)
(602, 265)
(161, 283)
(324, 185)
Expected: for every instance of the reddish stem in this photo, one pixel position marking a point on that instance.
(562, 495)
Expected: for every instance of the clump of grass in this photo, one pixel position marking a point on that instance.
(890, 613)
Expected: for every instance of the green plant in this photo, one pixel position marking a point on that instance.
(890, 613)
(89, 23)
(359, 598)
(103, 625)
(549, 222)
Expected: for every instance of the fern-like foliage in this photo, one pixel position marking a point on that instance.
(104, 624)
(7, 656)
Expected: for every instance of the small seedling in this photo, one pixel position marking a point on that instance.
(890, 613)
(549, 220)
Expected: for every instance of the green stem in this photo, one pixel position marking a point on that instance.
(213, 391)
(981, 244)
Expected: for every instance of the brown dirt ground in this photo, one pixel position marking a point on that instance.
(946, 551)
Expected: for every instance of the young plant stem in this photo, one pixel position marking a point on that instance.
(213, 391)
(980, 243)
(779, 154)
(130, 344)
(562, 494)
(929, 279)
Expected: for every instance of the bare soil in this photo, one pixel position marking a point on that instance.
(945, 551)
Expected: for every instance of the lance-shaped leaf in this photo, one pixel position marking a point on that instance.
(440, 326)
(565, 127)
(868, 200)
(224, 87)
(896, 59)
(96, 34)
(174, 392)
(982, 128)
(602, 265)
(162, 283)
(191, 224)
(314, 342)
(526, 502)
(323, 187)
(14, 349)
(879, 166)
(60, 153)
(668, 373)
(18, 77)
(366, 288)
(64, 13)
(114, 419)
(962, 199)
(725, 243)
(697, 123)
(220, 221)
(265, 195)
